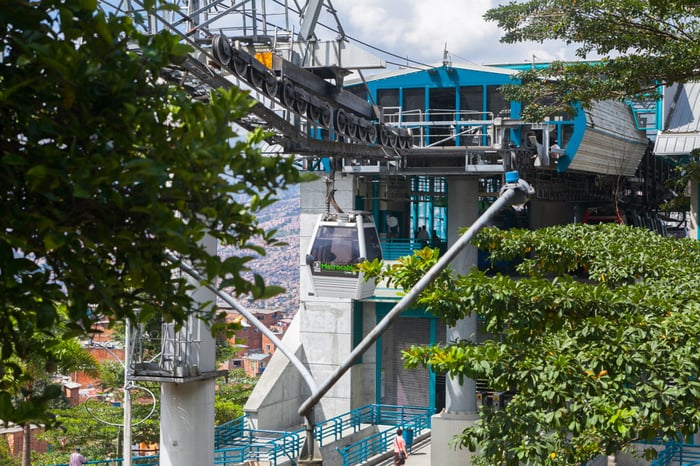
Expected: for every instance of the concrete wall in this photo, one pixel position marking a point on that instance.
(326, 334)
(280, 390)
(326, 323)
(364, 374)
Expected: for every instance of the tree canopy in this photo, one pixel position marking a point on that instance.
(634, 45)
(103, 169)
(595, 334)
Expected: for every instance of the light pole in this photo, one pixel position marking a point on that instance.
(126, 444)
(126, 404)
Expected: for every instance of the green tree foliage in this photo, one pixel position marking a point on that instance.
(34, 388)
(94, 425)
(5, 457)
(104, 168)
(597, 335)
(231, 395)
(84, 428)
(643, 44)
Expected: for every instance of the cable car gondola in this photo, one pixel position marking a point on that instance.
(339, 242)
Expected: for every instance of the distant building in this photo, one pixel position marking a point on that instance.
(255, 348)
(14, 435)
(254, 363)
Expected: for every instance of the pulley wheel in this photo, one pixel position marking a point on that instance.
(341, 121)
(362, 133)
(222, 49)
(288, 94)
(384, 136)
(326, 115)
(351, 129)
(301, 105)
(371, 134)
(270, 85)
(240, 67)
(314, 112)
(256, 78)
(393, 138)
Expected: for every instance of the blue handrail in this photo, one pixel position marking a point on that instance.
(394, 248)
(153, 460)
(683, 454)
(235, 443)
(415, 418)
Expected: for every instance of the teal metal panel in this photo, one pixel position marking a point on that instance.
(575, 142)
(378, 369)
(357, 324)
(433, 376)
(380, 223)
(440, 77)
(382, 309)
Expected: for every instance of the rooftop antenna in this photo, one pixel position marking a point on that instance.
(446, 57)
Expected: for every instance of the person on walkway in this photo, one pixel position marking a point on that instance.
(76, 459)
(400, 453)
(422, 236)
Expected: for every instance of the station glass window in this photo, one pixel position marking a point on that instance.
(495, 101)
(413, 104)
(471, 99)
(442, 105)
(388, 97)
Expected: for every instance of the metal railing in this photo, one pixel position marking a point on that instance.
(682, 454)
(153, 460)
(439, 126)
(238, 444)
(411, 419)
(333, 429)
(394, 248)
(226, 433)
(235, 443)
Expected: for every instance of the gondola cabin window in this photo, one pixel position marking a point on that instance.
(335, 250)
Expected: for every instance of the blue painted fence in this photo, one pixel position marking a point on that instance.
(235, 443)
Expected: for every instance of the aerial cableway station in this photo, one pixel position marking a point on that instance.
(406, 157)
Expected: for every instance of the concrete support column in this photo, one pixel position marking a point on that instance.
(460, 409)
(187, 409)
(694, 211)
(462, 211)
(187, 423)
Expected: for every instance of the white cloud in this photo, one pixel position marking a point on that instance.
(419, 29)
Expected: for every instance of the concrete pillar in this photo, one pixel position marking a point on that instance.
(460, 409)
(187, 423)
(325, 323)
(694, 229)
(187, 409)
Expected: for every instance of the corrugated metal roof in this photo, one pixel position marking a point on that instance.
(681, 132)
